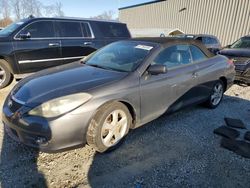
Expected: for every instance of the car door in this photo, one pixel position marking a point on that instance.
(77, 40)
(39, 49)
(205, 72)
(172, 90)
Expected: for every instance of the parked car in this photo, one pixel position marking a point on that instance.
(239, 52)
(34, 44)
(120, 87)
(211, 42)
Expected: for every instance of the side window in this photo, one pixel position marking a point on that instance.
(68, 29)
(199, 39)
(208, 40)
(214, 41)
(197, 54)
(174, 56)
(86, 30)
(110, 29)
(40, 29)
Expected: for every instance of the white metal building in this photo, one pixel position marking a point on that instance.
(227, 19)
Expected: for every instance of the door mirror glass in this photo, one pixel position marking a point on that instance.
(25, 35)
(157, 69)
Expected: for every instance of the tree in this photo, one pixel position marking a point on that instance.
(48, 10)
(5, 22)
(106, 15)
(58, 9)
(17, 6)
(32, 7)
(5, 8)
(23, 8)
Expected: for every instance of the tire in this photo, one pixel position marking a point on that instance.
(103, 133)
(5, 75)
(216, 95)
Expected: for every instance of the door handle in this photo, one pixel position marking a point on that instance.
(195, 74)
(54, 44)
(87, 43)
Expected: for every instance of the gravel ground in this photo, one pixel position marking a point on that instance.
(178, 150)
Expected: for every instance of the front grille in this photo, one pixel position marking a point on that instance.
(240, 67)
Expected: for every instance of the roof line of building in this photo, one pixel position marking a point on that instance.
(141, 4)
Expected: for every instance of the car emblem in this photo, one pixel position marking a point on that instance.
(10, 103)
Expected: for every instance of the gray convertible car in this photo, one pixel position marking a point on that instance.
(120, 87)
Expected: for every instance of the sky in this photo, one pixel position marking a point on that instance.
(90, 8)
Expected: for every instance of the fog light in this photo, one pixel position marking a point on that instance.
(41, 141)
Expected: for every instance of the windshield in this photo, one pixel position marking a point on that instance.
(123, 56)
(11, 28)
(241, 43)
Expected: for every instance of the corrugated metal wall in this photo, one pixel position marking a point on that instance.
(227, 19)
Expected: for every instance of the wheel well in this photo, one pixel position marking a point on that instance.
(132, 112)
(224, 80)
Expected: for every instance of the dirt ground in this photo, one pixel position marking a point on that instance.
(178, 150)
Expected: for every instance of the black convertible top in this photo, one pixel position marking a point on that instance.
(166, 41)
(162, 40)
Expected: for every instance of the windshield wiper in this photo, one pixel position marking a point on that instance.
(107, 68)
(97, 66)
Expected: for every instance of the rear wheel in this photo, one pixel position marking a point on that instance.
(109, 126)
(216, 95)
(5, 75)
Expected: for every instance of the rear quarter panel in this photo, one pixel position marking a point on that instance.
(214, 68)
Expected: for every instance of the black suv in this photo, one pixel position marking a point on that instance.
(239, 53)
(211, 42)
(34, 44)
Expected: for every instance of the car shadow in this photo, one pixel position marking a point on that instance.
(19, 165)
(177, 150)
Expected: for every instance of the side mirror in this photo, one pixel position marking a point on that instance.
(25, 35)
(157, 69)
(228, 46)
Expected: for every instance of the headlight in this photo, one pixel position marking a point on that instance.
(59, 106)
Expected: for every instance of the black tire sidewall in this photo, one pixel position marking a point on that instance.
(99, 119)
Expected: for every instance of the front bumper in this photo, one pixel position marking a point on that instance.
(49, 135)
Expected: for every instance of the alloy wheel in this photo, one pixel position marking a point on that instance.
(114, 128)
(2, 75)
(217, 94)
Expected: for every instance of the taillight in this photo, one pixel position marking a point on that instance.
(230, 62)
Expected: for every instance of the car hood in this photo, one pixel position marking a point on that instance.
(61, 81)
(240, 57)
(4, 38)
(243, 52)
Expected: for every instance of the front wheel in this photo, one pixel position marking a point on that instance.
(5, 75)
(109, 126)
(216, 95)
